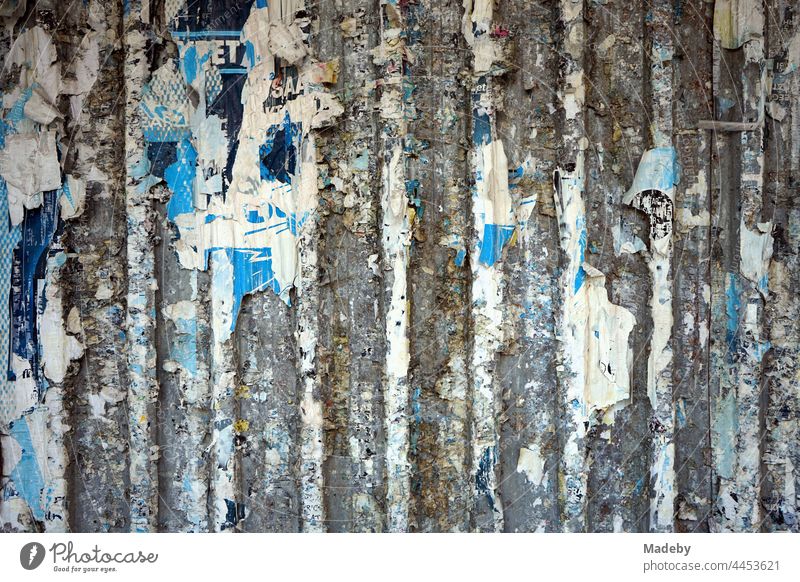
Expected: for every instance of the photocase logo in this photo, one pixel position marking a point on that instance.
(31, 555)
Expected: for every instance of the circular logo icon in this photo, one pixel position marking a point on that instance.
(31, 555)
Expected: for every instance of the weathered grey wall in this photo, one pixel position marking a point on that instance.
(525, 265)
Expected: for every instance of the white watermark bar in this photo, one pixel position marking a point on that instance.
(405, 557)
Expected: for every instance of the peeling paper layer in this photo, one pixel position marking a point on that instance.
(493, 204)
(653, 192)
(755, 254)
(29, 165)
(737, 21)
(58, 347)
(595, 330)
(273, 177)
(605, 328)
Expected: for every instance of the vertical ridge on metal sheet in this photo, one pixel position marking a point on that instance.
(653, 192)
(741, 280)
(405, 265)
(142, 382)
(782, 311)
(568, 182)
(439, 274)
(491, 230)
(528, 470)
(691, 289)
(355, 332)
(186, 368)
(223, 490)
(396, 224)
(307, 332)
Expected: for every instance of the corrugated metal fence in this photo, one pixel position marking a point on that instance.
(400, 265)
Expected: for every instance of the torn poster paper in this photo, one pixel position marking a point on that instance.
(595, 331)
(29, 165)
(493, 204)
(755, 249)
(737, 21)
(12, 399)
(29, 162)
(606, 327)
(36, 346)
(241, 163)
(653, 192)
